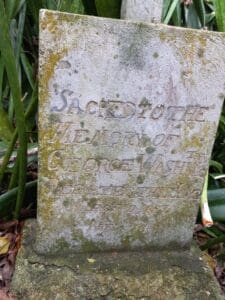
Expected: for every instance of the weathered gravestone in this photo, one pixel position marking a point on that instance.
(142, 10)
(127, 118)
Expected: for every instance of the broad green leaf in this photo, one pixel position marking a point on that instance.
(6, 129)
(108, 8)
(220, 14)
(216, 195)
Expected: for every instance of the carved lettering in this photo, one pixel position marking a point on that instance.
(157, 112)
(54, 159)
(127, 109)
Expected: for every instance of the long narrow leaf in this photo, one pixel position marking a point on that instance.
(27, 68)
(171, 11)
(200, 9)
(31, 109)
(6, 129)
(20, 32)
(220, 14)
(166, 5)
(10, 65)
(1, 79)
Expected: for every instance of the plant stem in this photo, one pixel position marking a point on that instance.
(206, 216)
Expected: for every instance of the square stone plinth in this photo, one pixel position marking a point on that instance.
(159, 275)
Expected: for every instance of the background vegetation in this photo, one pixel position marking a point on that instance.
(19, 98)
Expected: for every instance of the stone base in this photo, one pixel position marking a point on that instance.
(134, 275)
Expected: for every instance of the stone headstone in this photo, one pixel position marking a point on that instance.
(127, 119)
(142, 10)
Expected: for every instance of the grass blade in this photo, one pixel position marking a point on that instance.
(30, 111)
(6, 129)
(1, 79)
(10, 65)
(200, 9)
(220, 14)
(171, 11)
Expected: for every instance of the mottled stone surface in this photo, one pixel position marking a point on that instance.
(110, 276)
(142, 10)
(127, 118)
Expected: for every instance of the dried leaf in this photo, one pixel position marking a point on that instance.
(4, 245)
(91, 260)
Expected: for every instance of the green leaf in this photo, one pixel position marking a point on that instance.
(3, 147)
(220, 14)
(1, 79)
(216, 194)
(216, 200)
(108, 8)
(72, 6)
(200, 9)
(11, 70)
(166, 5)
(12, 7)
(176, 17)
(216, 165)
(28, 70)
(209, 18)
(20, 28)
(6, 129)
(191, 17)
(170, 11)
